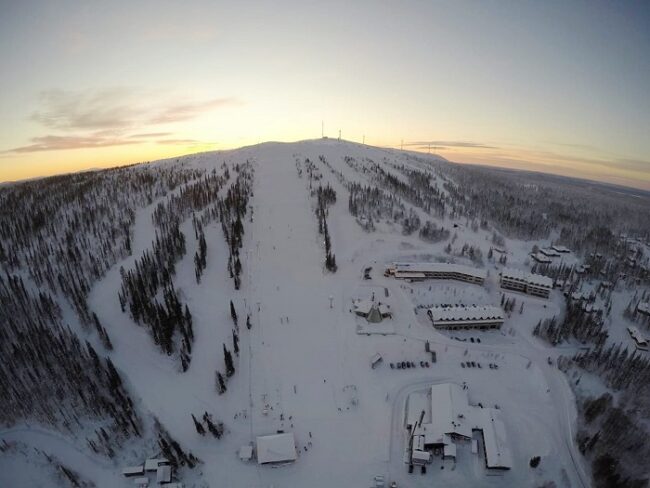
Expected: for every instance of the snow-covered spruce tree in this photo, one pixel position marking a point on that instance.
(220, 383)
(233, 313)
(227, 359)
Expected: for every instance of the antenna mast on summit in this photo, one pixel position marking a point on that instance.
(322, 129)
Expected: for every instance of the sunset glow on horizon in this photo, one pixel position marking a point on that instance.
(554, 87)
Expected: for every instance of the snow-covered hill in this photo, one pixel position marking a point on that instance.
(289, 259)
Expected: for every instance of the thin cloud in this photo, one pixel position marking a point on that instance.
(112, 117)
(107, 109)
(633, 164)
(449, 144)
(57, 143)
(187, 111)
(183, 142)
(147, 135)
(118, 109)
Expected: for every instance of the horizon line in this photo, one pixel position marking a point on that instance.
(397, 148)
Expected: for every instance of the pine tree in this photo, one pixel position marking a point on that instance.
(233, 313)
(235, 342)
(221, 384)
(227, 358)
(197, 425)
(537, 328)
(215, 429)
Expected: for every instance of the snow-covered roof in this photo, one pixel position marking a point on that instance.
(164, 474)
(133, 470)
(439, 268)
(497, 453)
(540, 280)
(644, 308)
(449, 449)
(515, 274)
(538, 256)
(417, 402)
(153, 463)
(473, 312)
(421, 455)
(418, 443)
(364, 307)
(409, 275)
(449, 406)
(141, 481)
(246, 452)
(561, 248)
(529, 278)
(276, 448)
(636, 335)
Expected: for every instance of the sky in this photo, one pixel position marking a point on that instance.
(554, 86)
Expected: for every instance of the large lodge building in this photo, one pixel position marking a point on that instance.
(443, 419)
(436, 271)
(532, 284)
(466, 318)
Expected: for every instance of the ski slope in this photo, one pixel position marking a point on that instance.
(303, 368)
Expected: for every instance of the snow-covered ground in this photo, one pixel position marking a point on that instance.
(302, 366)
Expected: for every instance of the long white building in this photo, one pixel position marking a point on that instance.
(465, 318)
(437, 271)
(530, 283)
